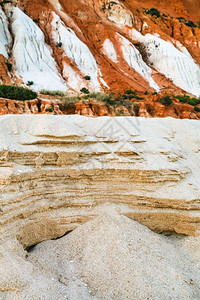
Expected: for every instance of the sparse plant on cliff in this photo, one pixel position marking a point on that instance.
(49, 109)
(197, 109)
(29, 83)
(153, 12)
(129, 94)
(187, 99)
(36, 20)
(59, 44)
(16, 93)
(87, 77)
(52, 93)
(9, 66)
(166, 100)
(84, 90)
(190, 24)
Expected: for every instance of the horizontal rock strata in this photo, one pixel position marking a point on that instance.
(55, 172)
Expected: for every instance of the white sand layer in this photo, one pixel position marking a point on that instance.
(112, 257)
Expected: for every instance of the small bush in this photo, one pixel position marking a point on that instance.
(190, 24)
(132, 97)
(9, 66)
(130, 92)
(186, 99)
(84, 90)
(52, 93)
(59, 44)
(16, 93)
(193, 101)
(49, 109)
(87, 77)
(153, 12)
(183, 99)
(127, 104)
(29, 83)
(197, 109)
(36, 20)
(166, 100)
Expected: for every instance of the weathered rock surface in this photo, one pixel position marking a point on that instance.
(56, 44)
(59, 172)
(148, 107)
(56, 169)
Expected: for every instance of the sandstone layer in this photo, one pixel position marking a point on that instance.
(56, 169)
(99, 177)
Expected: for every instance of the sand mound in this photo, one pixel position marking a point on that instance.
(110, 257)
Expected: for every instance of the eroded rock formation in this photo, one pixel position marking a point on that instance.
(59, 172)
(56, 169)
(116, 44)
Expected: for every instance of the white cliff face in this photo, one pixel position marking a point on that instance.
(77, 51)
(109, 50)
(74, 80)
(33, 58)
(135, 61)
(5, 36)
(174, 64)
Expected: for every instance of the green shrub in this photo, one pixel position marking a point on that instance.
(153, 12)
(84, 90)
(36, 20)
(183, 99)
(186, 99)
(130, 92)
(29, 83)
(190, 24)
(59, 44)
(9, 66)
(87, 77)
(166, 100)
(193, 101)
(49, 109)
(132, 97)
(16, 93)
(127, 104)
(52, 93)
(197, 109)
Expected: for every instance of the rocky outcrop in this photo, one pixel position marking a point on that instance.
(148, 107)
(56, 170)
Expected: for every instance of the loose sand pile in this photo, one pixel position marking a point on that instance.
(110, 257)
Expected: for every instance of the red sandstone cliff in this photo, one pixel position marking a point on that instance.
(114, 33)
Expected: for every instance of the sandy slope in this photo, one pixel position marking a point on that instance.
(110, 257)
